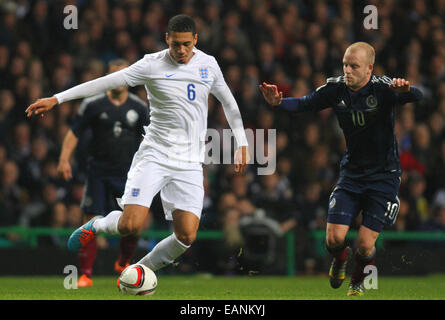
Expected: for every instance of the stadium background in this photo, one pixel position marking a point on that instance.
(294, 44)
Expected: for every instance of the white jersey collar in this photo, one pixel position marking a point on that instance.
(194, 50)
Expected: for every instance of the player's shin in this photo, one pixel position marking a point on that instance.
(87, 256)
(360, 263)
(337, 271)
(108, 224)
(128, 245)
(339, 253)
(164, 253)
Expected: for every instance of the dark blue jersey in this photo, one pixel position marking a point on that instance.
(366, 117)
(116, 132)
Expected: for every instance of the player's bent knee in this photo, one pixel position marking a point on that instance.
(125, 229)
(336, 235)
(128, 225)
(132, 219)
(186, 238)
(334, 239)
(365, 247)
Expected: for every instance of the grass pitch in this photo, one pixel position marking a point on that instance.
(225, 288)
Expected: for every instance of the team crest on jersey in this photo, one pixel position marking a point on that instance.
(132, 116)
(135, 192)
(371, 101)
(204, 73)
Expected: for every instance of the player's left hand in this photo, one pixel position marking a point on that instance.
(242, 157)
(400, 85)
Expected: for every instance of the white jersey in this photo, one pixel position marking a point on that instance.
(178, 95)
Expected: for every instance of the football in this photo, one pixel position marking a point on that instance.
(137, 279)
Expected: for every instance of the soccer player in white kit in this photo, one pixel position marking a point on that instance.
(178, 81)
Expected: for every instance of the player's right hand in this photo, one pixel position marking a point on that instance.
(41, 106)
(64, 170)
(242, 158)
(271, 94)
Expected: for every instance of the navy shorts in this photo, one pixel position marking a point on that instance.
(101, 193)
(377, 200)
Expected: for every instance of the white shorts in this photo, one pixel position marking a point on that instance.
(180, 183)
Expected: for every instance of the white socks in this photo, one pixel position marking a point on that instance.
(164, 253)
(108, 224)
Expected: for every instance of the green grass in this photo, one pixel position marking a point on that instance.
(224, 288)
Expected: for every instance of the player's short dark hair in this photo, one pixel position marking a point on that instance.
(181, 23)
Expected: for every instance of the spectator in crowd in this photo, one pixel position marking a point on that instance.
(3, 155)
(421, 148)
(319, 168)
(312, 216)
(437, 221)
(406, 128)
(39, 211)
(13, 197)
(311, 208)
(57, 221)
(415, 196)
(6, 106)
(275, 198)
(20, 148)
(32, 168)
(436, 176)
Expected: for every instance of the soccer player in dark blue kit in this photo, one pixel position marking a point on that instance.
(370, 168)
(116, 119)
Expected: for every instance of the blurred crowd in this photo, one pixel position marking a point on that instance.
(295, 44)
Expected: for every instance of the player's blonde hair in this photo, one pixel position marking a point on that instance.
(370, 53)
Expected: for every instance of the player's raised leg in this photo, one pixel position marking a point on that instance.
(336, 246)
(129, 221)
(365, 255)
(185, 226)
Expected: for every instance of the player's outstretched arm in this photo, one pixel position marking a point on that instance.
(84, 90)
(314, 101)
